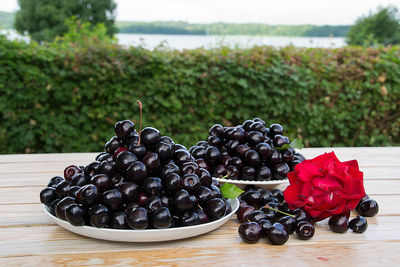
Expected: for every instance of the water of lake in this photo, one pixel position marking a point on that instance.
(180, 42)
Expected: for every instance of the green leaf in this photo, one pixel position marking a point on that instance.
(230, 190)
(296, 143)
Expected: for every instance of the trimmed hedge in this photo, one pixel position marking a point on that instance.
(55, 99)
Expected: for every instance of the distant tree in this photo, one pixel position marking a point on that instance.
(44, 19)
(382, 27)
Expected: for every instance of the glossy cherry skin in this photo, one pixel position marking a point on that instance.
(71, 171)
(216, 130)
(150, 136)
(168, 169)
(205, 177)
(62, 188)
(152, 162)
(118, 220)
(112, 199)
(99, 216)
(102, 181)
(215, 208)
(277, 234)
(305, 230)
(75, 214)
(129, 191)
(198, 152)
(204, 194)
(189, 219)
(181, 156)
(248, 173)
(138, 150)
(289, 222)
(256, 216)
(88, 194)
(79, 179)
(161, 218)
(47, 195)
(62, 206)
(264, 174)
(137, 218)
(275, 129)
(264, 150)
(124, 160)
(137, 172)
(339, 223)
(152, 186)
(191, 182)
(190, 167)
(124, 128)
(165, 151)
(112, 144)
(255, 138)
(250, 232)
(92, 168)
(108, 167)
(368, 208)
(213, 155)
(183, 201)
(153, 203)
(358, 224)
(55, 181)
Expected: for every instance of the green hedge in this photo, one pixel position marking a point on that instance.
(55, 99)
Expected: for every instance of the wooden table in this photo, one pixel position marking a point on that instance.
(29, 237)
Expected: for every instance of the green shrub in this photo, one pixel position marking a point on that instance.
(67, 99)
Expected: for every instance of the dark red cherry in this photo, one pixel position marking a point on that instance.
(103, 181)
(124, 160)
(150, 136)
(216, 130)
(277, 234)
(368, 208)
(264, 150)
(191, 182)
(305, 230)
(137, 218)
(190, 167)
(92, 169)
(152, 162)
(76, 214)
(250, 232)
(71, 171)
(47, 195)
(358, 224)
(113, 144)
(264, 174)
(161, 218)
(112, 199)
(124, 128)
(205, 177)
(165, 151)
(213, 155)
(62, 188)
(248, 173)
(275, 129)
(152, 186)
(181, 156)
(79, 180)
(118, 220)
(62, 206)
(129, 191)
(55, 181)
(339, 223)
(88, 194)
(136, 172)
(255, 138)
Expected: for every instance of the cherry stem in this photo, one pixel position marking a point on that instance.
(280, 211)
(199, 207)
(226, 176)
(140, 124)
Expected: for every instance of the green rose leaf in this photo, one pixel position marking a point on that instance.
(230, 190)
(296, 143)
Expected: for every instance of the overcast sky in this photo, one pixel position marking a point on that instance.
(333, 12)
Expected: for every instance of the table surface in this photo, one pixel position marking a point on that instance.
(29, 237)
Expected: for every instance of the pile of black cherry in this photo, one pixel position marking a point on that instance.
(140, 182)
(264, 213)
(250, 151)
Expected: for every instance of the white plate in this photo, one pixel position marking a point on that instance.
(266, 184)
(150, 235)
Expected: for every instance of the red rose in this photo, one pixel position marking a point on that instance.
(324, 186)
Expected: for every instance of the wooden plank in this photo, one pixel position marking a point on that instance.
(304, 254)
(20, 215)
(21, 195)
(50, 240)
(48, 157)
